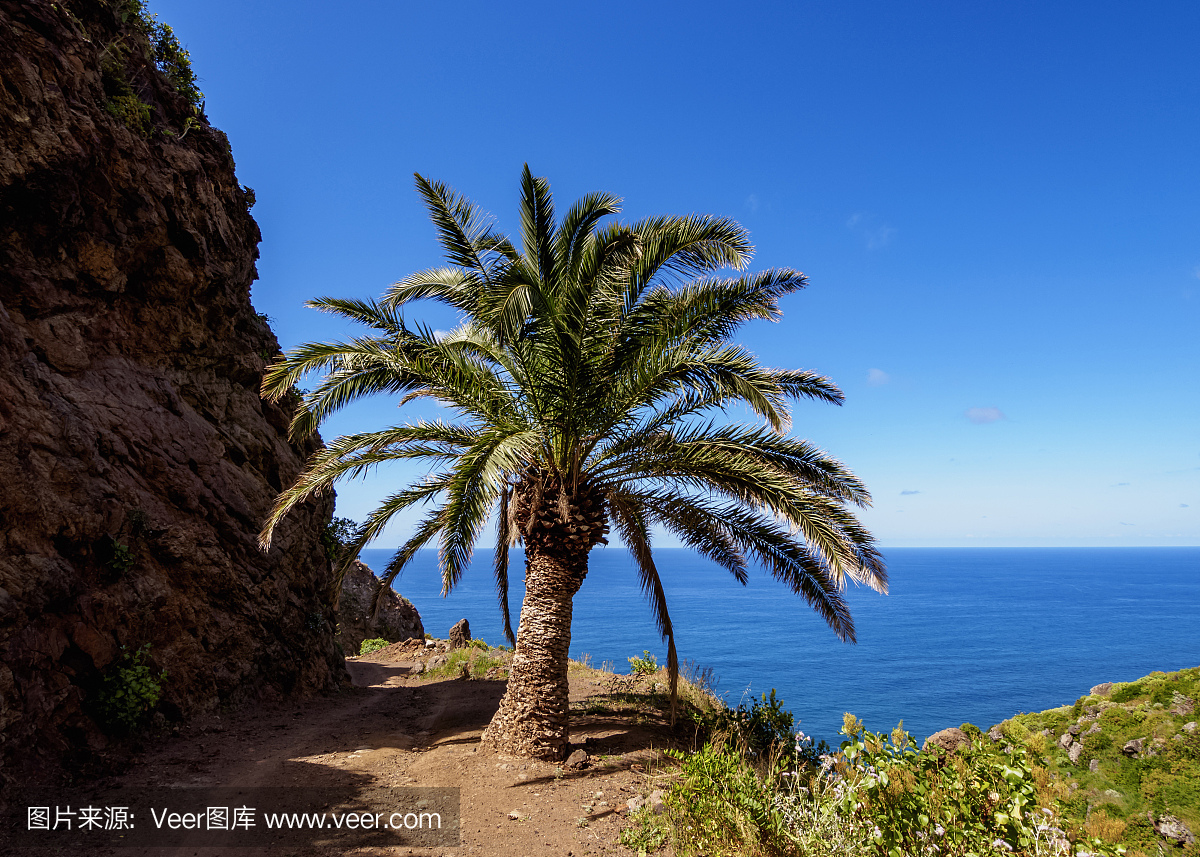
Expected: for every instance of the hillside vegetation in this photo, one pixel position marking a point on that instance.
(1129, 756)
(1118, 772)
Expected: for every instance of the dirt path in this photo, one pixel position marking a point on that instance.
(395, 729)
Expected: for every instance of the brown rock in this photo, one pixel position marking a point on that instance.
(460, 635)
(947, 740)
(578, 759)
(1101, 689)
(138, 457)
(394, 620)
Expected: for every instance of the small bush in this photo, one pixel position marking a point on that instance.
(374, 645)
(647, 664)
(129, 691)
(338, 538)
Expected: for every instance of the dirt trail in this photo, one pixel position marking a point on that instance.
(395, 729)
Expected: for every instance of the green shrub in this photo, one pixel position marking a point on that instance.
(338, 538)
(722, 805)
(374, 645)
(128, 692)
(647, 664)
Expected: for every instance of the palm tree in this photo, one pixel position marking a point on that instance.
(584, 375)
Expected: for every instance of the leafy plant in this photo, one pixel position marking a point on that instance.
(129, 691)
(647, 833)
(120, 557)
(647, 664)
(374, 645)
(338, 538)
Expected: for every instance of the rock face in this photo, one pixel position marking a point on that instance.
(395, 620)
(137, 457)
(947, 740)
(460, 635)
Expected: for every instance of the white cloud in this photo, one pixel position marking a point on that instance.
(1183, 505)
(752, 203)
(983, 416)
(876, 233)
(877, 377)
(907, 492)
(439, 335)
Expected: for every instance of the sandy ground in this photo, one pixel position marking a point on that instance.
(397, 729)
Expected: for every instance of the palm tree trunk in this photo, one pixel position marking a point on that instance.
(533, 716)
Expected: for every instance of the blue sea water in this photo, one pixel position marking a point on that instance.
(965, 635)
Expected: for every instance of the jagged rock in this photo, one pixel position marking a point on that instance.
(1189, 727)
(1094, 765)
(460, 635)
(1133, 748)
(635, 803)
(1171, 828)
(578, 759)
(1065, 740)
(995, 734)
(139, 459)
(1092, 730)
(394, 621)
(1101, 689)
(1074, 752)
(947, 740)
(1181, 705)
(1074, 729)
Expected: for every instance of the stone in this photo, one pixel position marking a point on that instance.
(947, 740)
(1074, 729)
(995, 734)
(1133, 748)
(655, 801)
(635, 803)
(140, 459)
(1065, 740)
(515, 815)
(1074, 752)
(1095, 727)
(1189, 727)
(1101, 689)
(1182, 705)
(578, 759)
(1094, 765)
(460, 635)
(394, 620)
(1172, 829)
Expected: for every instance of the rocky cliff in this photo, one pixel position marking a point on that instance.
(136, 457)
(394, 620)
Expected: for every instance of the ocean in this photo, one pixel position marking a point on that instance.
(965, 635)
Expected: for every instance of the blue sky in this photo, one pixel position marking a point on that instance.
(997, 205)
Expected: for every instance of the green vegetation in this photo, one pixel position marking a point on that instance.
(647, 664)
(878, 795)
(147, 36)
(338, 539)
(474, 661)
(586, 381)
(1132, 785)
(374, 645)
(1013, 791)
(128, 692)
